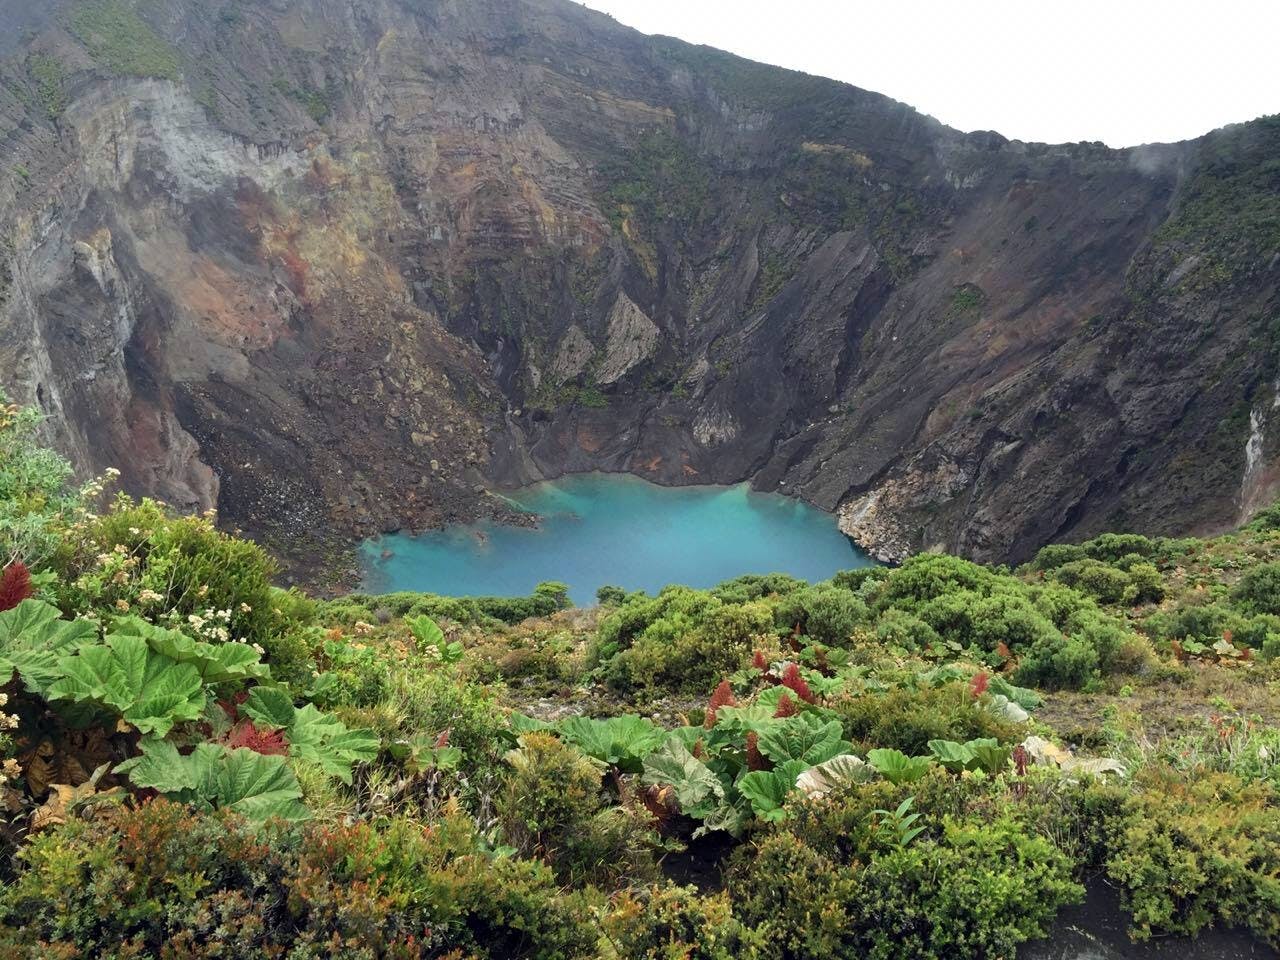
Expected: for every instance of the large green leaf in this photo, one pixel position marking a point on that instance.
(620, 741)
(767, 790)
(216, 663)
(955, 757)
(269, 707)
(312, 735)
(148, 689)
(753, 718)
(161, 767)
(766, 793)
(989, 755)
(803, 737)
(327, 742)
(695, 786)
(257, 787)
(896, 767)
(33, 638)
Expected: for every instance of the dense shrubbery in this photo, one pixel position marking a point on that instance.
(200, 764)
(159, 880)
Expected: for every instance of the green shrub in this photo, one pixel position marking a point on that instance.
(669, 922)
(1110, 547)
(690, 647)
(1259, 589)
(928, 900)
(898, 628)
(1193, 852)
(161, 881)
(552, 806)
(1058, 663)
(756, 586)
(34, 500)
(138, 558)
(907, 720)
(1104, 583)
(1056, 555)
(964, 888)
(825, 614)
(122, 41)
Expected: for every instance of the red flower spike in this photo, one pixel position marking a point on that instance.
(792, 680)
(755, 759)
(245, 734)
(442, 741)
(723, 697)
(760, 662)
(786, 708)
(15, 585)
(978, 685)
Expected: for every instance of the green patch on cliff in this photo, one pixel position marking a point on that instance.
(50, 78)
(660, 179)
(1230, 207)
(122, 42)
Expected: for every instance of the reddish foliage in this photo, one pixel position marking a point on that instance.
(755, 759)
(792, 680)
(786, 708)
(229, 706)
(245, 734)
(15, 585)
(723, 697)
(1021, 759)
(760, 661)
(978, 685)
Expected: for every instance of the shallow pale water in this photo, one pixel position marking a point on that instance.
(601, 529)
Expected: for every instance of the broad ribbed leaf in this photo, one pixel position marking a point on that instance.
(148, 689)
(896, 767)
(161, 767)
(32, 640)
(326, 741)
(754, 718)
(989, 755)
(256, 786)
(766, 793)
(269, 707)
(836, 774)
(691, 780)
(621, 741)
(216, 663)
(803, 737)
(956, 757)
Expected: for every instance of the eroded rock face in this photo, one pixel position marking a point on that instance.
(356, 260)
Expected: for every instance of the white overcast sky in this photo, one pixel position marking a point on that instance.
(1124, 72)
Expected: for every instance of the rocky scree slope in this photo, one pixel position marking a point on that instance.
(337, 266)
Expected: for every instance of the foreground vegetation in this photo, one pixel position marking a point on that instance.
(926, 761)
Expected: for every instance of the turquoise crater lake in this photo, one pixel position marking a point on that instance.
(599, 529)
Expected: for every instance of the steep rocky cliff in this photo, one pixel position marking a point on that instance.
(337, 266)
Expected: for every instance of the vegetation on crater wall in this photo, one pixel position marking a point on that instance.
(122, 41)
(924, 761)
